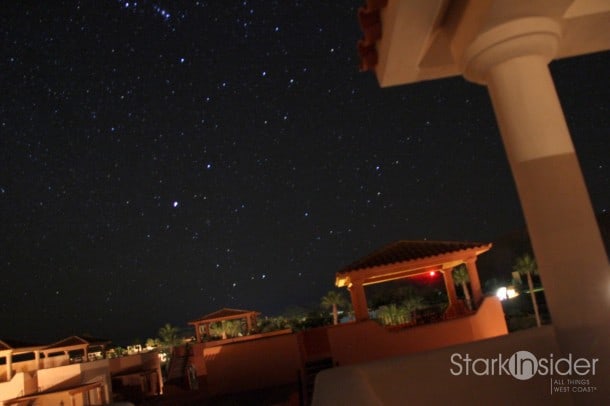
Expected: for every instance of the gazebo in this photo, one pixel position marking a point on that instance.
(76, 345)
(70, 345)
(202, 324)
(403, 259)
(9, 349)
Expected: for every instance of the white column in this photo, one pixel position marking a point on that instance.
(512, 60)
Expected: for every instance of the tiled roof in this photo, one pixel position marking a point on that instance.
(370, 24)
(403, 251)
(224, 314)
(9, 344)
(77, 340)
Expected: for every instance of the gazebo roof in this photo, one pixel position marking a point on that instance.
(223, 314)
(76, 341)
(17, 347)
(9, 344)
(402, 257)
(401, 251)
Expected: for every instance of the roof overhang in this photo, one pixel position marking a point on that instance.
(405, 269)
(224, 314)
(418, 39)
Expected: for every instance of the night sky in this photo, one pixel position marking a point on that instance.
(163, 159)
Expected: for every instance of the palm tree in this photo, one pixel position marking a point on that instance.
(168, 335)
(393, 314)
(410, 304)
(460, 277)
(152, 342)
(526, 265)
(168, 339)
(226, 328)
(333, 300)
(272, 323)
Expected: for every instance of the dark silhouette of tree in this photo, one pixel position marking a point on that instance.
(226, 328)
(333, 300)
(168, 336)
(526, 265)
(460, 277)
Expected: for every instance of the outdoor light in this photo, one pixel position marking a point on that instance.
(501, 293)
(432, 273)
(504, 293)
(511, 292)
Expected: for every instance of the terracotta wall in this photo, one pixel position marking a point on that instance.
(252, 364)
(144, 360)
(243, 365)
(489, 320)
(431, 377)
(367, 341)
(198, 362)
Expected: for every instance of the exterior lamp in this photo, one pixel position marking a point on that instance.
(504, 293)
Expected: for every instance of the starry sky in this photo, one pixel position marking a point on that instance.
(163, 159)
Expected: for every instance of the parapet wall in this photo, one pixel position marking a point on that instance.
(252, 364)
(365, 341)
(260, 362)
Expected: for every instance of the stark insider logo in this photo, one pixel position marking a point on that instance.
(521, 365)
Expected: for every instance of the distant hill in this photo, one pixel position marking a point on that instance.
(497, 263)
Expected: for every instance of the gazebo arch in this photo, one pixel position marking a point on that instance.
(403, 259)
(202, 324)
(11, 348)
(75, 344)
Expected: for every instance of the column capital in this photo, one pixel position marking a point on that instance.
(471, 260)
(520, 37)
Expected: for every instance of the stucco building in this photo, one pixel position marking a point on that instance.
(74, 371)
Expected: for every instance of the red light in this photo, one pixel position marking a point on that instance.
(432, 273)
